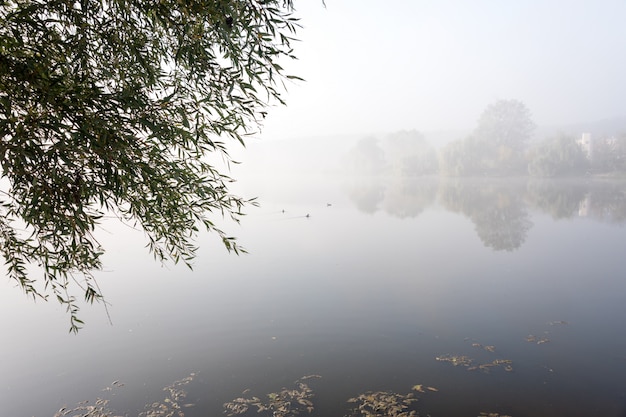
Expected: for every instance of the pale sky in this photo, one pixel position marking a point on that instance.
(376, 66)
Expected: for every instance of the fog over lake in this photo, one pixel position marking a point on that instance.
(366, 282)
(440, 230)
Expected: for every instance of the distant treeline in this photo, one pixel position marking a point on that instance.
(498, 146)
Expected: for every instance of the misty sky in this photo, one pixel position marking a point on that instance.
(374, 66)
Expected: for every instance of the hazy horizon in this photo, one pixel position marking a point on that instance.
(435, 66)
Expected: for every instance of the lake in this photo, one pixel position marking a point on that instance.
(504, 297)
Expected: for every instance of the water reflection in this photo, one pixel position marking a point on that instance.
(559, 199)
(499, 209)
(405, 198)
(368, 195)
(606, 203)
(401, 197)
(375, 303)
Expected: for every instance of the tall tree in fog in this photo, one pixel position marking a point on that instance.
(505, 123)
(504, 129)
(112, 107)
(496, 146)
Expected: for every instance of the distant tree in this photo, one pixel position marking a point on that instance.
(409, 154)
(558, 156)
(366, 157)
(496, 146)
(609, 154)
(451, 159)
(112, 107)
(505, 124)
(464, 157)
(504, 128)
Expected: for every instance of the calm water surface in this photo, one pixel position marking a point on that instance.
(383, 277)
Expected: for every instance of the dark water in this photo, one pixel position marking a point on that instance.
(366, 292)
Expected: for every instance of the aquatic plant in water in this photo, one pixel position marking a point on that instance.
(383, 404)
(471, 365)
(284, 403)
(169, 407)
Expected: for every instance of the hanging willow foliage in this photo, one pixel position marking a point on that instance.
(111, 106)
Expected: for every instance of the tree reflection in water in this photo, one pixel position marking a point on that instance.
(496, 208)
(499, 208)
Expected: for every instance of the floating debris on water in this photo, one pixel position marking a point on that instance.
(169, 407)
(506, 364)
(531, 338)
(488, 348)
(459, 360)
(114, 384)
(421, 388)
(558, 323)
(285, 403)
(383, 404)
(304, 378)
(456, 360)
